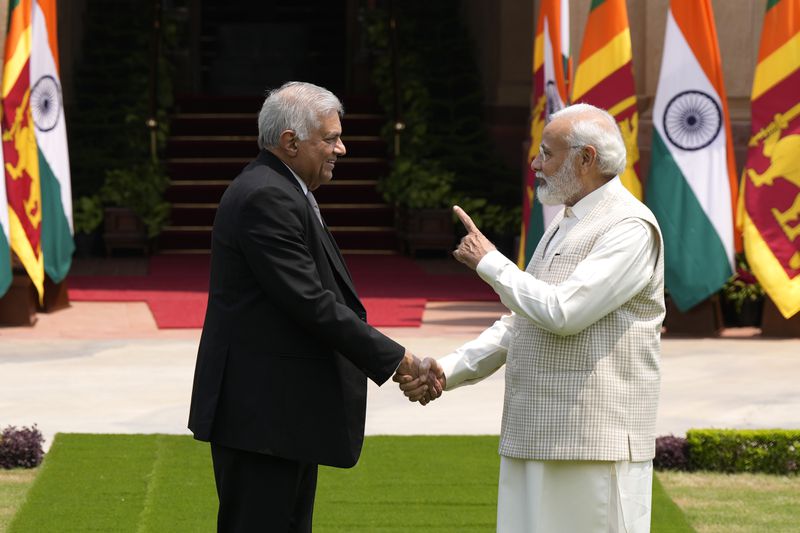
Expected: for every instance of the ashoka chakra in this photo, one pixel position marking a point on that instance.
(692, 120)
(46, 103)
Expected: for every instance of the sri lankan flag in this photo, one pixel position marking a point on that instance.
(604, 77)
(35, 144)
(769, 208)
(552, 72)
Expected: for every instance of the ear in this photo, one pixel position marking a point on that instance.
(288, 142)
(588, 157)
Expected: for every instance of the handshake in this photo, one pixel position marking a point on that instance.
(421, 380)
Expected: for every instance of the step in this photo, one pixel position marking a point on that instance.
(185, 237)
(202, 214)
(335, 192)
(199, 168)
(352, 238)
(365, 238)
(196, 191)
(246, 146)
(348, 191)
(218, 104)
(193, 214)
(354, 214)
(214, 124)
(204, 103)
(246, 124)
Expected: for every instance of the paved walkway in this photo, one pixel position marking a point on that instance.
(105, 367)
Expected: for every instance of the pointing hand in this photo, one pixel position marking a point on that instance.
(474, 245)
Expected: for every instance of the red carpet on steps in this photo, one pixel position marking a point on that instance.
(394, 289)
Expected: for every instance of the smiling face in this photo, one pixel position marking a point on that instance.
(316, 155)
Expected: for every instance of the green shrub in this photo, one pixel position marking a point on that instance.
(87, 213)
(772, 451)
(444, 145)
(140, 188)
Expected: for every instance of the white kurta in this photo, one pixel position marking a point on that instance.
(565, 496)
(574, 496)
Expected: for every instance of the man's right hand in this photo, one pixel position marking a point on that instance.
(420, 380)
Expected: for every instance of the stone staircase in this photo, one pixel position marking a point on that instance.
(213, 138)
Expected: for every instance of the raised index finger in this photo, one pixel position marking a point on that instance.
(465, 219)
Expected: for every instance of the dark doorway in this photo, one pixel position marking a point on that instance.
(248, 46)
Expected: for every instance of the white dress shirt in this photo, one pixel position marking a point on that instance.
(619, 266)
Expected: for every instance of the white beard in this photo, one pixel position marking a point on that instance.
(559, 188)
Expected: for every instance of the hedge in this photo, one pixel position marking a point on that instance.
(771, 451)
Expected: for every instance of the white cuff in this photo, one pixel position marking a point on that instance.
(448, 364)
(490, 266)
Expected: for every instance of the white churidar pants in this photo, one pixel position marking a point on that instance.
(574, 496)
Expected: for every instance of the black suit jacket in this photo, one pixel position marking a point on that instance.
(285, 349)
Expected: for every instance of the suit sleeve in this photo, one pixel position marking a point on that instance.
(273, 239)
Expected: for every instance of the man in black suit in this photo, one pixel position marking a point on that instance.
(280, 381)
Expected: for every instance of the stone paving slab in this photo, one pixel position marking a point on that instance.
(106, 368)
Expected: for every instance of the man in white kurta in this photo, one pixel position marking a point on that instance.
(581, 345)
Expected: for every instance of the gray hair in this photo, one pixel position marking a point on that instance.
(596, 127)
(296, 106)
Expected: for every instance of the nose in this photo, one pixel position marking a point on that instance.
(339, 149)
(536, 164)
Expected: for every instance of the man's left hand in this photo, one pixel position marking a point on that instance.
(420, 380)
(474, 245)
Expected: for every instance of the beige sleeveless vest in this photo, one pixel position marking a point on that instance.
(592, 395)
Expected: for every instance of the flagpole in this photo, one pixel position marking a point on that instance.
(399, 124)
(152, 121)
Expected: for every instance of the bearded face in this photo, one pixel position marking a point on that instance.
(562, 186)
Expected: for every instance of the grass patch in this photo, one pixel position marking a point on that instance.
(736, 503)
(164, 483)
(14, 484)
(401, 484)
(666, 517)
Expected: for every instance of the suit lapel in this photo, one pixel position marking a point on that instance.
(336, 260)
(328, 243)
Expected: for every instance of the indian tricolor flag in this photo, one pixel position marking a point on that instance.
(551, 76)
(604, 78)
(692, 185)
(35, 144)
(769, 212)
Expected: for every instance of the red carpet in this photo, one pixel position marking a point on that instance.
(394, 289)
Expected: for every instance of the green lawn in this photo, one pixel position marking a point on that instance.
(14, 485)
(162, 483)
(739, 503)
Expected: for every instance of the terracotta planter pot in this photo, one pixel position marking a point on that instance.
(18, 304)
(123, 229)
(702, 320)
(749, 316)
(774, 325)
(425, 229)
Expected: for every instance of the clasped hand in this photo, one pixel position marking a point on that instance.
(421, 380)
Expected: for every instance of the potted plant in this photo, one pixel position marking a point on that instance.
(421, 192)
(135, 211)
(436, 123)
(742, 297)
(87, 215)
